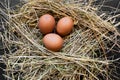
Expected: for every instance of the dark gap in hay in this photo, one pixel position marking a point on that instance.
(114, 70)
(16, 34)
(111, 50)
(102, 77)
(2, 66)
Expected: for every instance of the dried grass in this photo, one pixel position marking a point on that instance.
(84, 51)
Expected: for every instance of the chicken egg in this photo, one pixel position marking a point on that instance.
(64, 26)
(46, 23)
(53, 42)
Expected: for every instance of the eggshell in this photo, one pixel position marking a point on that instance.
(53, 42)
(46, 23)
(64, 26)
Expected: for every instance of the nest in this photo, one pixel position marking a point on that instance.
(83, 56)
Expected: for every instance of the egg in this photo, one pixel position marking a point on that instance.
(46, 23)
(53, 41)
(64, 26)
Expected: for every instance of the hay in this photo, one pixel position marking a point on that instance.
(84, 51)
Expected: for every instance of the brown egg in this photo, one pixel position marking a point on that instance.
(64, 26)
(46, 24)
(53, 42)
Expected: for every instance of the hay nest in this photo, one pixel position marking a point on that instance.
(83, 55)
